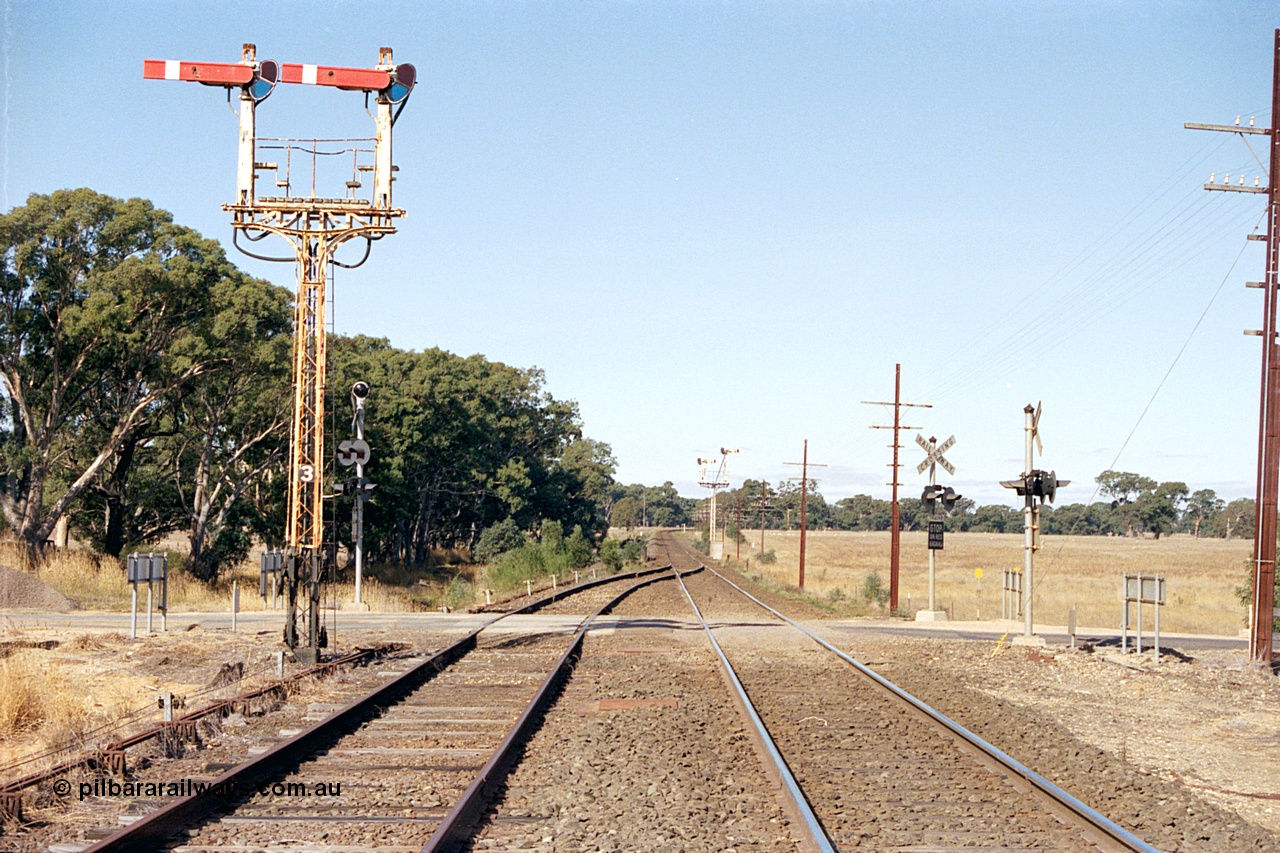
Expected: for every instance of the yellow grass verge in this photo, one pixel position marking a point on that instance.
(23, 702)
(1085, 571)
(98, 583)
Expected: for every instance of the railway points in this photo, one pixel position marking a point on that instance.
(639, 741)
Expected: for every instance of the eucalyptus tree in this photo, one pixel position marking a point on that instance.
(105, 311)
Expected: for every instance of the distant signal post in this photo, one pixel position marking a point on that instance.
(1034, 484)
(315, 226)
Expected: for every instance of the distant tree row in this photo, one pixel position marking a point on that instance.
(650, 506)
(1136, 505)
(145, 390)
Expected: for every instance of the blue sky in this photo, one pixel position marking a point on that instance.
(722, 224)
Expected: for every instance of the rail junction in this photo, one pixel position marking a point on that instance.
(683, 712)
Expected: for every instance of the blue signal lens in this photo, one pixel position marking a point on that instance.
(264, 81)
(402, 80)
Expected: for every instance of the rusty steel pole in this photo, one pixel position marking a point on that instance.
(1261, 615)
(1260, 640)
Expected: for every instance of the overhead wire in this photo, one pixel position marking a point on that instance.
(1119, 245)
(1040, 576)
(1146, 264)
(1116, 230)
(1101, 284)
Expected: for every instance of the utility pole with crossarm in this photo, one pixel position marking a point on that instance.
(804, 464)
(895, 523)
(1268, 478)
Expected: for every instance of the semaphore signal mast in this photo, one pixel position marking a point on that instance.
(315, 226)
(718, 479)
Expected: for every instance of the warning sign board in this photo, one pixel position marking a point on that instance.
(935, 534)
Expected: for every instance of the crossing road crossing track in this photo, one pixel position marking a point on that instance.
(451, 725)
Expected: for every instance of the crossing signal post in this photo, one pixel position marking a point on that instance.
(1035, 486)
(938, 500)
(315, 226)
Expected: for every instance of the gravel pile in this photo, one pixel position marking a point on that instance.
(21, 591)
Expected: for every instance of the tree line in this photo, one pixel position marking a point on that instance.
(145, 390)
(1134, 505)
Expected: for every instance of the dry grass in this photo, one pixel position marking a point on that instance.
(1084, 571)
(98, 582)
(23, 702)
(39, 708)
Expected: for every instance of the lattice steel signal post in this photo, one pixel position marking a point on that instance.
(315, 226)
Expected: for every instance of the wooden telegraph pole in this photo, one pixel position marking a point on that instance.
(1268, 479)
(764, 507)
(895, 525)
(804, 490)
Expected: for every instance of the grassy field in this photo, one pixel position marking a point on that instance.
(1085, 571)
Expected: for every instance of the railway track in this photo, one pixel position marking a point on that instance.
(808, 750)
(412, 760)
(867, 766)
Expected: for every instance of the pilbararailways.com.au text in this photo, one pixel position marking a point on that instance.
(191, 787)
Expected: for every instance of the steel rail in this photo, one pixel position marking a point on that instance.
(95, 755)
(158, 827)
(456, 828)
(1100, 822)
(799, 804)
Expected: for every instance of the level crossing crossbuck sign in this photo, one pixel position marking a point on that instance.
(935, 454)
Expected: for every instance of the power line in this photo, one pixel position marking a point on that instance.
(895, 533)
(804, 489)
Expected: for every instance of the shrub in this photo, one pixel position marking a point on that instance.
(498, 539)
(552, 534)
(768, 558)
(611, 555)
(874, 590)
(459, 593)
(578, 548)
